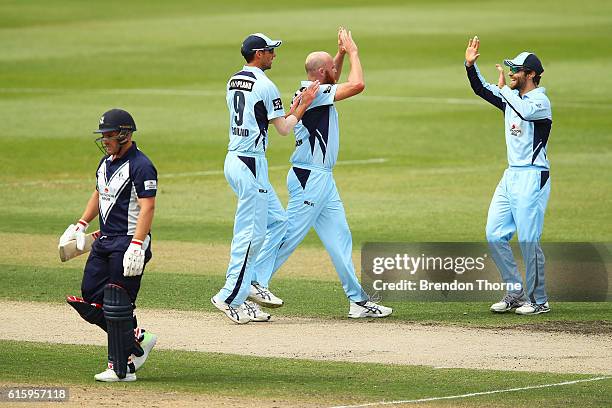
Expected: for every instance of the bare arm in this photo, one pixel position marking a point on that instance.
(338, 62)
(145, 218)
(92, 209)
(355, 83)
(284, 125)
(339, 58)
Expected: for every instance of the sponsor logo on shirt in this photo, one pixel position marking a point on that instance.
(515, 130)
(242, 84)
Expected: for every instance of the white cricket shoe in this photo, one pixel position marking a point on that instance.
(254, 312)
(147, 344)
(509, 302)
(533, 309)
(109, 375)
(235, 314)
(263, 296)
(369, 309)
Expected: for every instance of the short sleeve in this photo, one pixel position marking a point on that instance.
(325, 95)
(98, 169)
(273, 102)
(144, 179)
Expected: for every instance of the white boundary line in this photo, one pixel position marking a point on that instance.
(474, 394)
(204, 92)
(182, 175)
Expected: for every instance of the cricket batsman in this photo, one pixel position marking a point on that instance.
(314, 200)
(520, 199)
(124, 201)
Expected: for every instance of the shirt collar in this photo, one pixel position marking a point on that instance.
(130, 152)
(253, 69)
(535, 91)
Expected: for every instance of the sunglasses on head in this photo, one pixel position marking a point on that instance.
(271, 49)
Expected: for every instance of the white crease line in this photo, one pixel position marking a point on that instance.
(204, 92)
(181, 175)
(473, 394)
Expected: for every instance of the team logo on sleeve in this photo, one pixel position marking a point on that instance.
(277, 103)
(150, 184)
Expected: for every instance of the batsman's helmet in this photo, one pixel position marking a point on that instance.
(116, 119)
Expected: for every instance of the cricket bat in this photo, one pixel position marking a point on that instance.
(69, 249)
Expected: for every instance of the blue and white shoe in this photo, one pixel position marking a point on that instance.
(263, 297)
(509, 302)
(368, 309)
(533, 309)
(254, 312)
(235, 314)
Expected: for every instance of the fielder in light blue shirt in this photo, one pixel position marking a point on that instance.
(520, 199)
(253, 102)
(313, 197)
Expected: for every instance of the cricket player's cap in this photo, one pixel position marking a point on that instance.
(526, 60)
(116, 119)
(258, 42)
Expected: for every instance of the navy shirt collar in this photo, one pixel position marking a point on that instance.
(130, 152)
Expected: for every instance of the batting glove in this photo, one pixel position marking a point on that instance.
(75, 232)
(133, 259)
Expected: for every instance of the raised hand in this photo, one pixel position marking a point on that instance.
(471, 53)
(501, 82)
(347, 41)
(341, 49)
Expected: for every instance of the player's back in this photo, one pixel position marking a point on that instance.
(252, 100)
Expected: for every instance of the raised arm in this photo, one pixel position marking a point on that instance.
(355, 83)
(339, 58)
(482, 88)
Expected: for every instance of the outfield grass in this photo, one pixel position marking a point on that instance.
(192, 292)
(302, 380)
(61, 70)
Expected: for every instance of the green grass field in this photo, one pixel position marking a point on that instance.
(435, 151)
(318, 382)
